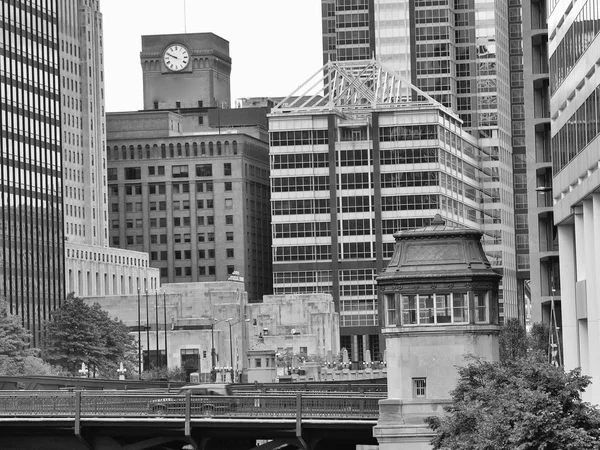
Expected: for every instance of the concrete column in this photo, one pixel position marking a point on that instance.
(593, 309)
(566, 239)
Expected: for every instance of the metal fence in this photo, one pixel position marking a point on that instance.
(104, 404)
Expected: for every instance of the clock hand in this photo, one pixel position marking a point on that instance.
(172, 56)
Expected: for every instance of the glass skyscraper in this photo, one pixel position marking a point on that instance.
(32, 256)
(458, 52)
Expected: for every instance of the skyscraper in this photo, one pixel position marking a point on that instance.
(368, 156)
(543, 237)
(575, 115)
(188, 179)
(84, 134)
(92, 268)
(32, 257)
(457, 51)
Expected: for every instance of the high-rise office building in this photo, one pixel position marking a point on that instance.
(457, 51)
(573, 47)
(189, 178)
(92, 268)
(368, 156)
(31, 217)
(543, 237)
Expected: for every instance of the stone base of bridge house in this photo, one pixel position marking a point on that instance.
(401, 424)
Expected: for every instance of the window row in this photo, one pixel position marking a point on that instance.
(185, 150)
(436, 308)
(299, 161)
(410, 202)
(577, 39)
(293, 207)
(294, 184)
(408, 133)
(298, 137)
(319, 277)
(408, 156)
(409, 179)
(301, 230)
(302, 253)
(577, 132)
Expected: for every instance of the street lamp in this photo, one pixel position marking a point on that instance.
(231, 324)
(213, 355)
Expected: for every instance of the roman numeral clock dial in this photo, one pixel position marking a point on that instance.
(176, 57)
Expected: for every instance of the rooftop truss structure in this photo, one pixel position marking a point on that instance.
(354, 86)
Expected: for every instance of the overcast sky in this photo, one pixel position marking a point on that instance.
(275, 45)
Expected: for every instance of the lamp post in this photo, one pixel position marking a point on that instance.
(231, 324)
(157, 328)
(139, 339)
(213, 354)
(148, 329)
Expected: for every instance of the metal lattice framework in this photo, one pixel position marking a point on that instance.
(355, 85)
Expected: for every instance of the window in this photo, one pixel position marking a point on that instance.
(229, 236)
(257, 362)
(229, 253)
(201, 270)
(435, 308)
(228, 186)
(211, 270)
(482, 307)
(204, 170)
(210, 220)
(390, 307)
(227, 169)
(230, 270)
(133, 173)
(419, 387)
(180, 171)
(229, 220)
(228, 203)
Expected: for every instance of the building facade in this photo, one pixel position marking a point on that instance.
(92, 268)
(198, 203)
(574, 112)
(543, 236)
(350, 170)
(188, 178)
(459, 53)
(31, 213)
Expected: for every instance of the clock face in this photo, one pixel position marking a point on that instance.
(176, 57)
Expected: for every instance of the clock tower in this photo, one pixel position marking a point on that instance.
(182, 71)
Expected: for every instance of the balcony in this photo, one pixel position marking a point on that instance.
(539, 15)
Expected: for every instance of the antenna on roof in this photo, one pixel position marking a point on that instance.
(184, 18)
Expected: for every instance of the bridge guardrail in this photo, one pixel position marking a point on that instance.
(85, 405)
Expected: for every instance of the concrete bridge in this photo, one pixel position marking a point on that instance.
(55, 420)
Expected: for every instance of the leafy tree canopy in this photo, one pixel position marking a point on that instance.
(521, 404)
(16, 356)
(79, 333)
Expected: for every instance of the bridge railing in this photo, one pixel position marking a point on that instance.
(91, 404)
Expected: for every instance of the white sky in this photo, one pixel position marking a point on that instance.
(275, 45)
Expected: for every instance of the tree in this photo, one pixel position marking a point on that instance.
(513, 340)
(522, 404)
(16, 356)
(79, 333)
